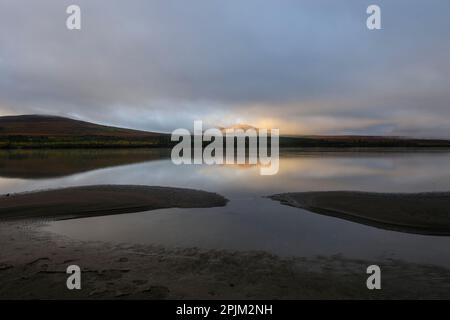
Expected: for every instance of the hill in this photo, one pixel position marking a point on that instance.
(351, 141)
(28, 131)
(361, 142)
(42, 131)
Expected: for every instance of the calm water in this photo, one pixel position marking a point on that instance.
(249, 221)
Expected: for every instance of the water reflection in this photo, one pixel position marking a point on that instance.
(41, 164)
(250, 221)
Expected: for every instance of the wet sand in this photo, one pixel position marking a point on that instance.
(421, 213)
(33, 264)
(97, 200)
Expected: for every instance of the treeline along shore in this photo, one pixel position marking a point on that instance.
(52, 132)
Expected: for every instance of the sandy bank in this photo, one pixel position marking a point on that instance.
(423, 213)
(33, 266)
(86, 201)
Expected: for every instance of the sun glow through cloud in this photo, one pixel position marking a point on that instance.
(284, 65)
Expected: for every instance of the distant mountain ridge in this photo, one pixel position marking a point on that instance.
(241, 126)
(46, 131)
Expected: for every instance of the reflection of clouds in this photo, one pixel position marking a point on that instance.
(10, 184)
(298, 172)
(251, 222)
(376, 172)
(321, 168)
(294, 168)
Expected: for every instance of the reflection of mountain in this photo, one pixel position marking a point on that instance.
(422, 213)
(37, 164)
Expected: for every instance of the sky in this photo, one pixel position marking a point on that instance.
(303, 66)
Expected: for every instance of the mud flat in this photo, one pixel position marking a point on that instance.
(97, 200)
(33, 265)
(421, 213)
(33, 262)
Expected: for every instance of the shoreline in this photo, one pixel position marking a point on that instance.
(33, 266)
(419, 213)
(151, 146)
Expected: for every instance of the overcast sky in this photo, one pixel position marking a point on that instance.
(306, 67)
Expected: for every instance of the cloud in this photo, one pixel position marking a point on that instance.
(310, 66)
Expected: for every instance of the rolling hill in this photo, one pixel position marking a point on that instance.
(28, 131)
(42, 131)
(349, 141)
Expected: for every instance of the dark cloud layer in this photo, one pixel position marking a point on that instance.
(304, 66)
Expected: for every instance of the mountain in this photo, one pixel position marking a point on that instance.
(348, 141)
(240, 126)
(38, 125)
(51, 131)
(42, 131)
